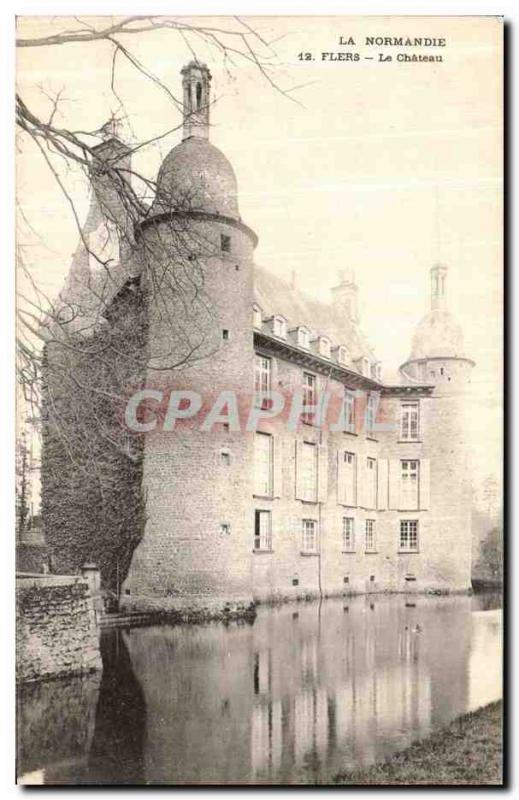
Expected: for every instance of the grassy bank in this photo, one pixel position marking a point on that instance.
(468, 751)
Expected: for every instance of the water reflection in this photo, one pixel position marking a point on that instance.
(296, 697)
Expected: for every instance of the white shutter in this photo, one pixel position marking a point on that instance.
(341, 478)
(277, 473)
(394, 483)
(425, 483)
(382, 484)
(322, 474)
(356, 480)
(299, 471)
(361, 482)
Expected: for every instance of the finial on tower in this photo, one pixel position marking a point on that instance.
(439, 286)
(196, 84)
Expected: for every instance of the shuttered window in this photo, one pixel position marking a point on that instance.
(371, 539)
(309, 396)
(309, 536)
(308, 467)
(371, 411)
(262, 530)
(409, 477)
(347, 478)
(263, 465)
(262, 374)
(371, 483)
(409, 422)
(348, 534)
(409, 535)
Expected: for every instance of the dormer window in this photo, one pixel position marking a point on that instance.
(303, 337)
(379, 371)
(324, 347)
(257, 316)
(279, 327)
(365, 367)
(342, 355)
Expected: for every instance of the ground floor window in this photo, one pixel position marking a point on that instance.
(348, 534)
(262, 530)
(371, 540)
(309, 537)
(409, 535)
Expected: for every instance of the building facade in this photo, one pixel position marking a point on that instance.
(364, 487)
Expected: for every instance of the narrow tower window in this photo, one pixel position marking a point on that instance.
(198, 96)
(225, 243)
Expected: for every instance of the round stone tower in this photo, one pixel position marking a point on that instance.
(438, 357)
(197, 268)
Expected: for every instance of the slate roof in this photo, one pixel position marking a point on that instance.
(276, 296)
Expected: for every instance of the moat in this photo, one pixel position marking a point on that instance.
(304, 691)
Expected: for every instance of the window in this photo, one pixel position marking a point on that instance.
(365, 367)
(371, 412)
(262, 374)
(409, 484)
(342, 355)
(373, 371)
(225, 334)
(409, 428)
(199, 96)
(349, 412)
(348, 534)
(409, 535)
(225, 528)
(262, 530)
(371, 493)
(225, 457)
(308, 472)
(349, 473)
(324, 347)
(280, 327)
(371, 542)
(263, 464)
(309, 395)
(309, 539)
(257, 317)
(225, 243)
(303, 337)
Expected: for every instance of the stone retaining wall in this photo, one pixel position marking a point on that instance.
(56, 627)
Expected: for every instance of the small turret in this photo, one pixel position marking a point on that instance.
(196, 85)
(438, 339)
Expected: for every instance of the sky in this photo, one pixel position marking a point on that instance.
(380, 167)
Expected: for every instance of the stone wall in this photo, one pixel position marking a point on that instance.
(56, 627)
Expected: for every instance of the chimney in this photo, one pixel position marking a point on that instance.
(345, 295)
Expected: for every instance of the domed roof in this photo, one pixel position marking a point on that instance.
(437, 335)
(196, 176)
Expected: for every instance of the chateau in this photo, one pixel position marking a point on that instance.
(374, 498)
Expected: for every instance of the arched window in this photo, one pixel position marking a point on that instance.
(189, 98)
(198, 96)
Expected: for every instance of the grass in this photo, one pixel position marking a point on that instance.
(466, 752)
